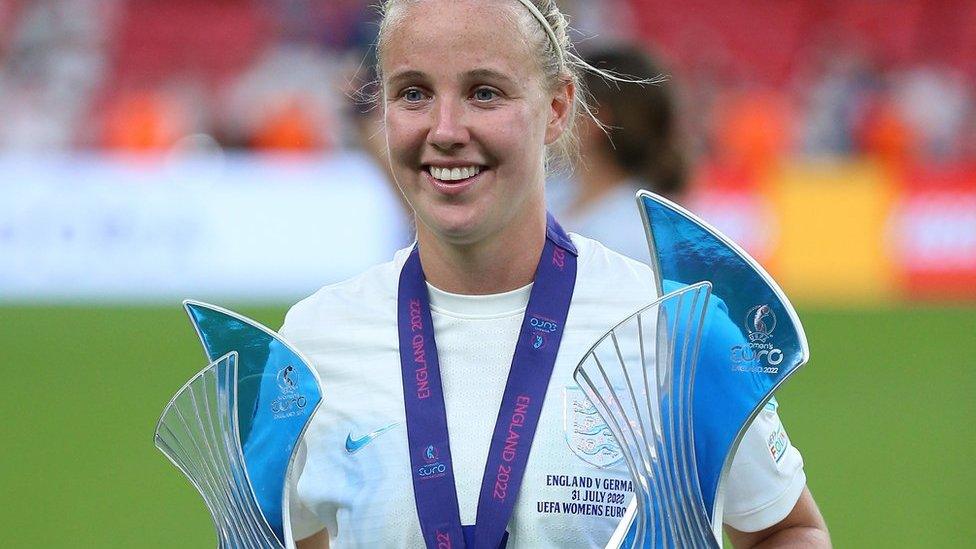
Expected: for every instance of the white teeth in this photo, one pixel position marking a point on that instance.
(454, 174)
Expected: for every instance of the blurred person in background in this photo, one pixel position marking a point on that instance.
(639, 146)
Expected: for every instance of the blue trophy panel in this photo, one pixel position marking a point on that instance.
(277, 392)
(752, 339)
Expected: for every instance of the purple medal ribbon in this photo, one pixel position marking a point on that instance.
(427, 435)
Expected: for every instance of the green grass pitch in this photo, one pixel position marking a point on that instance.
(884, 415)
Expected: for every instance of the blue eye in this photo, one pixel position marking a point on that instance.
(413, 95)
(485, 94)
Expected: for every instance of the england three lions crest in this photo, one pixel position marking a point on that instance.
(586, 432)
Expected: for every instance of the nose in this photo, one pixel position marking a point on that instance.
(448, 130)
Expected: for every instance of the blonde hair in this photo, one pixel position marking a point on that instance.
(547, 30)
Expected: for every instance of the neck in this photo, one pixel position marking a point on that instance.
(597, 176)
(499, 263)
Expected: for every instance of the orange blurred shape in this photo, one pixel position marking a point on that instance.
(753, 129)
(144, 121)
(289, 127)
(886, 137)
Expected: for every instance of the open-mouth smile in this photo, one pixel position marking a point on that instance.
(453, 180)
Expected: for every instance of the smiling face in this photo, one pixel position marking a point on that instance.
(468, 117)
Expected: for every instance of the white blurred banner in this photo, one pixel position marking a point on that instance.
(239, 228)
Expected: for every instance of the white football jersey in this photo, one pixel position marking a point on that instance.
(355, 479)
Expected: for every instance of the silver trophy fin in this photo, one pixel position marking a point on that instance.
(197, 431)
(640, 377)
(234, 428)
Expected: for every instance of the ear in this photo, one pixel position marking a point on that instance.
(560, 111)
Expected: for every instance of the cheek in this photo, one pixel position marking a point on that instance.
(405, 137)
(519, 138)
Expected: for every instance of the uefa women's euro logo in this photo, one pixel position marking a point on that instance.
(288, 403)
(432, 467)
(760, 355)
(541, 327)
(586, 432)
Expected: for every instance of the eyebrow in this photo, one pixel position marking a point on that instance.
(489, 74)
(407, 75)
(476, 74)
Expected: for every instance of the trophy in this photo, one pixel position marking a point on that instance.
(233, 429)
(679, 382)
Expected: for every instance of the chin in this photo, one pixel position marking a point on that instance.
(456, 223)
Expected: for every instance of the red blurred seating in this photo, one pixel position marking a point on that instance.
(214, 39)
(763, 41)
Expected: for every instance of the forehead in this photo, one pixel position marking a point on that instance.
(445, 36)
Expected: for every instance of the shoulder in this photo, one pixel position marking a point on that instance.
(610, 282)
(599, 262)
(370, 294)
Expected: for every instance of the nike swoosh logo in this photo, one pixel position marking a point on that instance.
(354, 445)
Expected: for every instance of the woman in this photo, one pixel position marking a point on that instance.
(423, 442)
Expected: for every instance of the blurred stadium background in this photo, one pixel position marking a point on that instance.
(152, 150)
